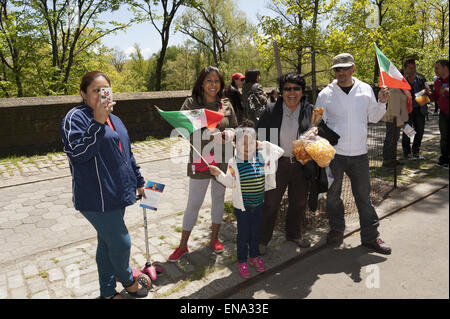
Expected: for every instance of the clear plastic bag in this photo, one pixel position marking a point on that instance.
(311, 146)
(299, 146)
(321, 151)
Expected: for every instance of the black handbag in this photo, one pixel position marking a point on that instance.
(328, 133)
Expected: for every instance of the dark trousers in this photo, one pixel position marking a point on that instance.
(113, 249)
(288, 175)
(443, 128)
(390, 146)
(248, 227)
(417, 121)
(357, 169)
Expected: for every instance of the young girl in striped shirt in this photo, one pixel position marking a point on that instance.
(250, 173)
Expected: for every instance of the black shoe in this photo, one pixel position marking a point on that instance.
(335, 237)
(379, 246)
(442, 163)
(140, 293)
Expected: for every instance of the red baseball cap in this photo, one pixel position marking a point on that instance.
(237, 76)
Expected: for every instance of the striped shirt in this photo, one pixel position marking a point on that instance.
(252, 181)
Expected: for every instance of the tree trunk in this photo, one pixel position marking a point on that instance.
(313, 53)
(159, 65)
(299, 60)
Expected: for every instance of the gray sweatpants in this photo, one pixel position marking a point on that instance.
(197, 192)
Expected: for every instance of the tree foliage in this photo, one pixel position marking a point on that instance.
(46, 46)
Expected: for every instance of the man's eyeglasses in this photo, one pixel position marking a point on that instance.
(341, 69)
(290, 88)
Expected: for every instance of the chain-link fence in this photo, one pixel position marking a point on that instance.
(382, 178)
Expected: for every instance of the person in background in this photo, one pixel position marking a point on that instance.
(234, 95)
(207, 93)
(397, 107)
(440, 95)
(418, 114)
(349, 105)
(105, 178)
(436, 105)
(273, 96)
(254, 99)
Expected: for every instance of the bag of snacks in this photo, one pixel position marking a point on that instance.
(311, 146)
(321, 151)
(299, 146)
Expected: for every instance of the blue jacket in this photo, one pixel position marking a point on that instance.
(103, 177)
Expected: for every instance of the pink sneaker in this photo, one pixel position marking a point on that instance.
(177, 254)
(257, 263)
(243, 270)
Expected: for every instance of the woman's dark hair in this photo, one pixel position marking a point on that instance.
(408, 62)
(233, 83)
(291, 77)
(272, 99)
(443, 63)
(89, 77)
(197, 91)
(251, 76)
(247, 123)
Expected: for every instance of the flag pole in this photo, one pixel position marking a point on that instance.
(194, 148)
(381, 73)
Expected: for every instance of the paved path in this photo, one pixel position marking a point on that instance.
(417, 268)
(48, 248)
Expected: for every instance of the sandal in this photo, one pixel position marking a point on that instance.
(110, 297)
(140, 293)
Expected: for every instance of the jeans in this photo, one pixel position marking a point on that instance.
(357, 169)
(248, 226)
(288, 175)
(443, 128)
(113, 249)
(417, 121)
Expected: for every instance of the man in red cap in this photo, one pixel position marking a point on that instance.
(232, 92)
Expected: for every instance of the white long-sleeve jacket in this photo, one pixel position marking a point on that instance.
(348, 115)
(270, 154)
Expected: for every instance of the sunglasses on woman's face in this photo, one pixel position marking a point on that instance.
(290, 88)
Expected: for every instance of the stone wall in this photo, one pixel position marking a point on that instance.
(31, 125)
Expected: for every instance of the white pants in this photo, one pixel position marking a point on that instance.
(197, 192)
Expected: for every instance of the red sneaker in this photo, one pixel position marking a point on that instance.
(217, 246)
(177, 254)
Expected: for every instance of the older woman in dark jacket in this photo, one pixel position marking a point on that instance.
(290, 116)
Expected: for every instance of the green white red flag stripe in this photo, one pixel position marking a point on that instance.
(192, 120)
(390, 76)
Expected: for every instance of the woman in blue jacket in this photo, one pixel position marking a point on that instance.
(105, 178)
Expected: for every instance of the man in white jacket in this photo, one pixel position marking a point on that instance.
(349, 105)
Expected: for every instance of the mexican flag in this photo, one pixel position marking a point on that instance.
(390, 76)
(192, 120)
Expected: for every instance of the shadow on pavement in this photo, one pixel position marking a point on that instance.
(349, 261)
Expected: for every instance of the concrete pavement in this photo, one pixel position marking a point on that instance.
(48, 248)
(417, 268)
